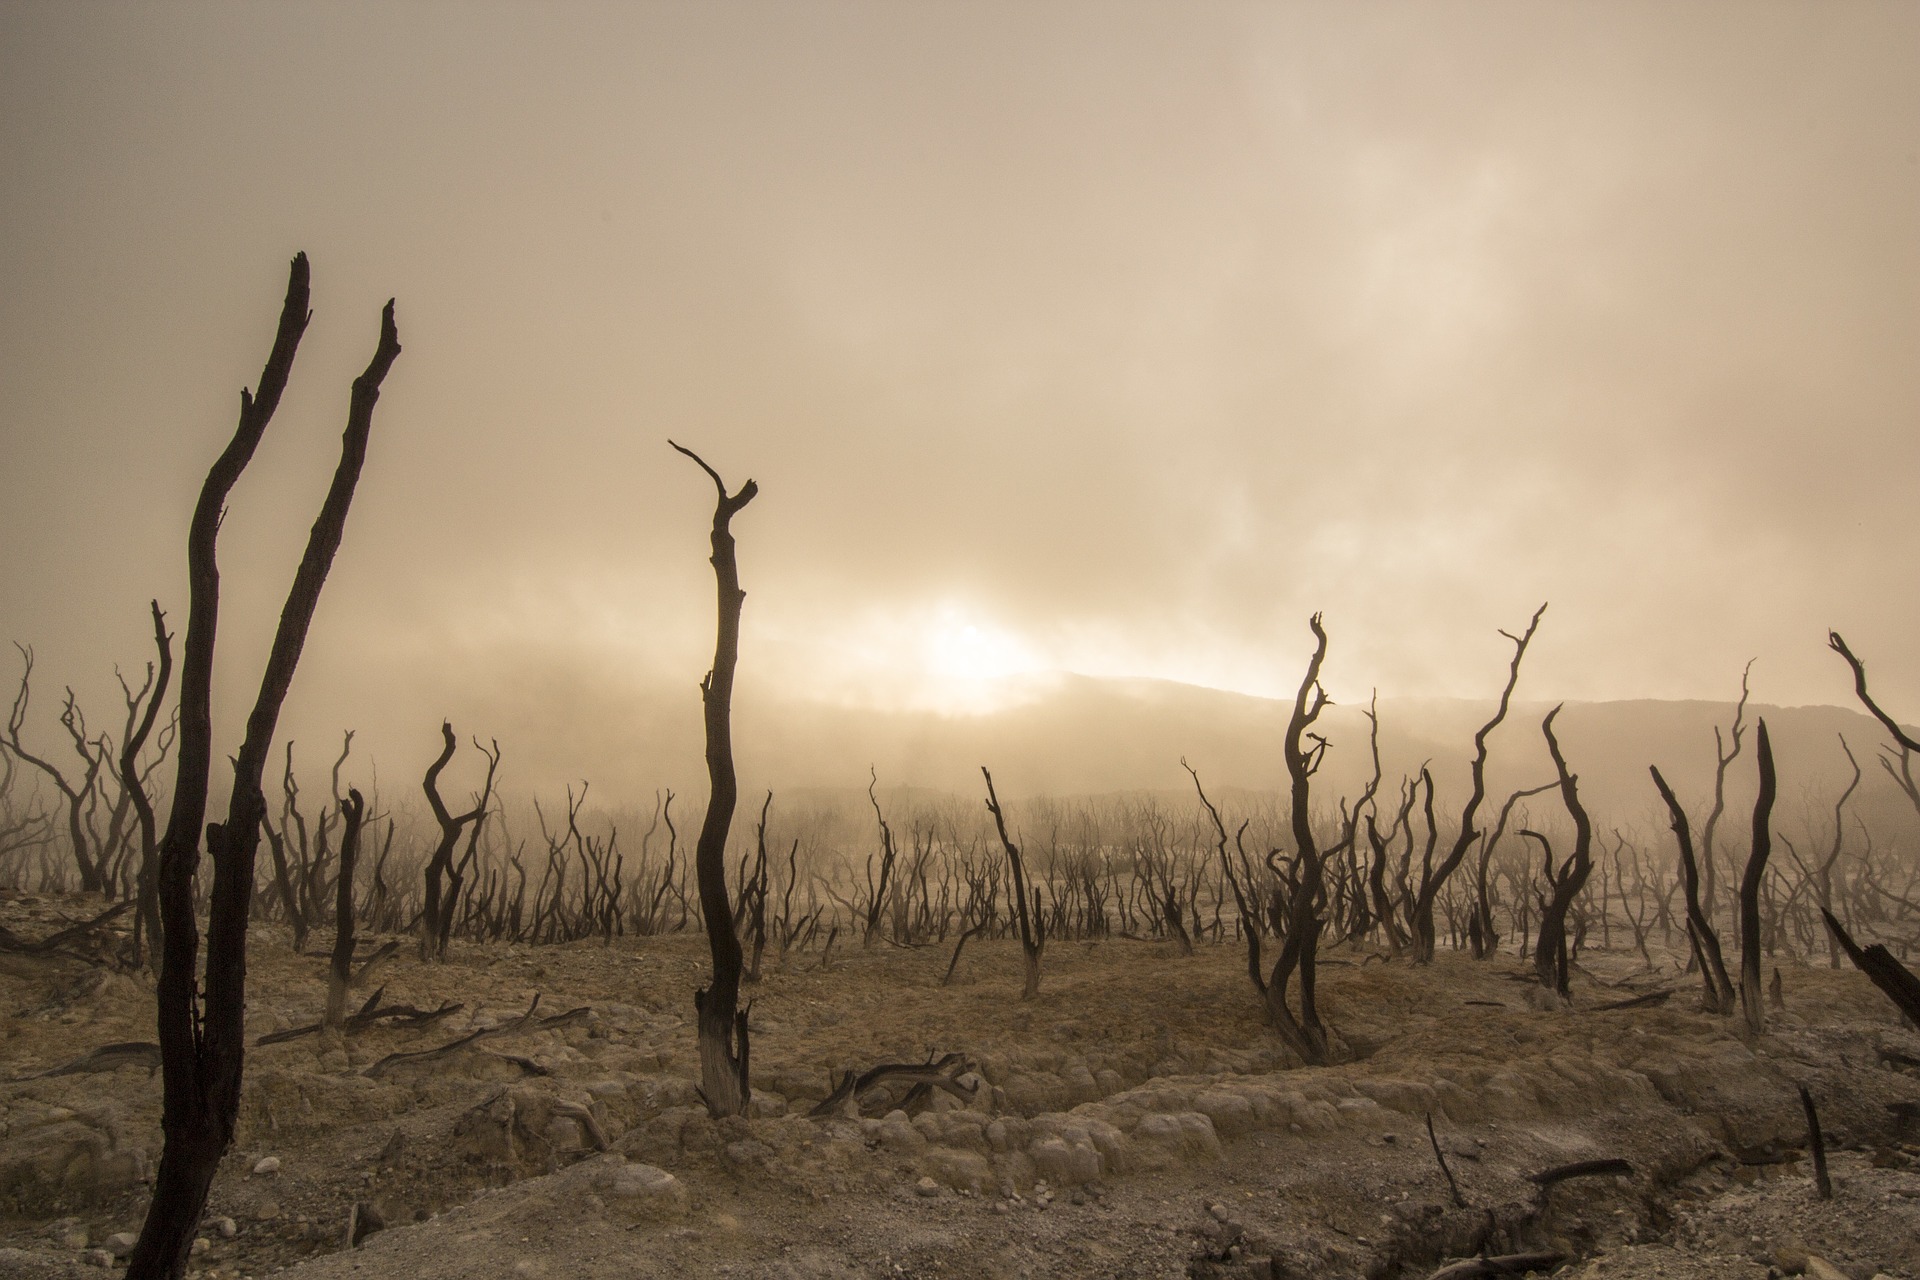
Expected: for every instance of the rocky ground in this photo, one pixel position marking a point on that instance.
(1136, 1120)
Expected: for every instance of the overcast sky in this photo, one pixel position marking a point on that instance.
(1105, 338)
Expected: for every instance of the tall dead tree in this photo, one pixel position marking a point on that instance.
(1550, 947)
(353, 812)
(436, 921)
(1431, 882)
(1718, 997)
(147, 918)
(1303, 750)
(1752, 1005)
(1033, 925)
(723, 1025)
(1723, 757)
(202, 1032)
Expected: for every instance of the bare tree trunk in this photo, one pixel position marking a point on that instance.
(340, 965)
(1750, 997)
(1432, 881)
(1549, 954)
(1033, 926)
(1706, 943)
(202, 1039)
(723, 1027)
(436, 920)
(147, 914)
(1303, 750)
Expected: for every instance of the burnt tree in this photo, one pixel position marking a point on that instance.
(1303, 750)
(1432, 880)
(1033, 925)
(436, 920)
(723, 1025)
(1718, 997)
(353, 812)
(202, 1032)
(1751, 1004)
(1903, 774)
(146, 927)
(1550, 947)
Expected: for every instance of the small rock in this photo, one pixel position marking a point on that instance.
(1219, 1211)
(1791, 1258)
(120, 1243)
(268, 1211)
(265, 1166)
(227, 1228)
(926, 1187)
(97, 1258)
(200, 1245)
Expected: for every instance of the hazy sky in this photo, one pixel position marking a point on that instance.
(1108, 338)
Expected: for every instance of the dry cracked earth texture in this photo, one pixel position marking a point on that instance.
(1137, 1119)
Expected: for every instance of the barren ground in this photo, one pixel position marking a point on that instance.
(1136, 1120)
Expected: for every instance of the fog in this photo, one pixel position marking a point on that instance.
(1100, 341)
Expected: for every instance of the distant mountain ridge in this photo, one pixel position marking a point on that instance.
(1085, 735)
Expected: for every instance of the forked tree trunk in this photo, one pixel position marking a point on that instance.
(202, 1038)
(722, 1026)
(1549, 954)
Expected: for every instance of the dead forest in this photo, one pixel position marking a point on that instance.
(1717, 913)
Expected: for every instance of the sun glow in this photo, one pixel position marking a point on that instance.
(938, 656)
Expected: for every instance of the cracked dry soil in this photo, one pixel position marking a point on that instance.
(1136, 1120)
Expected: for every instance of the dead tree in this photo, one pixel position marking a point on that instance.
(353, 812)
(436, 921)
(202, 1034)
(1481, 934)
(147, 918)
(723, 1026)
(1303, 750)
(1431, 880)
(1903, 774)
(1894, 979)
(1723, 757)
(877, 893)
(80, 793)
(1718, 997)
(1550, 948)
(1750, 997)
(1033, 926)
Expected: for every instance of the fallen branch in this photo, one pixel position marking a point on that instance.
(1637, 1002)
(370, 1014)
(1511, 1264)
(925, 1076)
(1546, 1179)
(108, 1057)
(11, 942)
(521, 1023)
